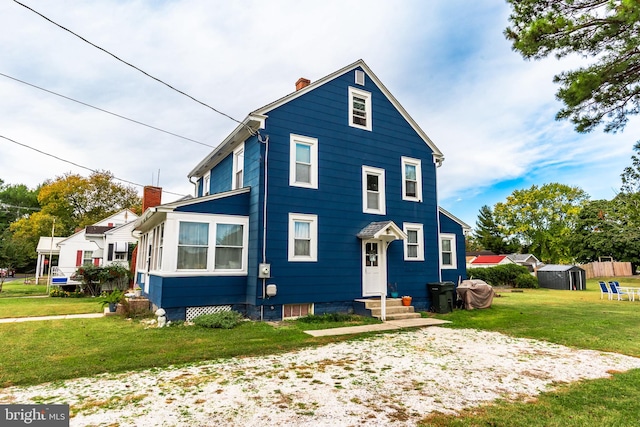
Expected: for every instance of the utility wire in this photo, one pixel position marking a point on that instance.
(104, 111)
(78, 165)
(136, 68)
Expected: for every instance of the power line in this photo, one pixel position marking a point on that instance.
(136, 68)
(79, 165)
(105, 111)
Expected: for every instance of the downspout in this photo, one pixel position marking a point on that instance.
(264, 141)
(195, 187)
(438, 161)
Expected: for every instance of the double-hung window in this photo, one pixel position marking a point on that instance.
(411, 179)
(193, 245)
(414, 244)
(360, 109)
(229, 244)
(303, 161)
(448, 251)
(238, 167)
(303, 237)
(373, 190)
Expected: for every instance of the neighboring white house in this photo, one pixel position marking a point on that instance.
(102, 243)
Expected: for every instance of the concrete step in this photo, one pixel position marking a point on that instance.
(371, 303)
(400, 316)
(393, 310)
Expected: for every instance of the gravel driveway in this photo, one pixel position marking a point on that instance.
(391, 379)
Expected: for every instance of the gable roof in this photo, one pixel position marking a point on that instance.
(465, 227)
(256, 119)
(489, 259)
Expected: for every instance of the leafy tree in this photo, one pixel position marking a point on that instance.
(16, 201)
(77, 201)
(631, 174)
(603, 228)
(607, 90)
(490, 236)
(542, 219)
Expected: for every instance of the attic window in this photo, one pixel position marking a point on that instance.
(359, 109)
(360, 77)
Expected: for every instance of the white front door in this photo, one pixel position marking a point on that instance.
(374, 267)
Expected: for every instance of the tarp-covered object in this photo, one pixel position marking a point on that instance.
(475, 294)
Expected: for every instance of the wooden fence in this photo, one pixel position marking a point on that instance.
(607, 269)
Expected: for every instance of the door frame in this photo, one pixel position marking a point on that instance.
(370, 289)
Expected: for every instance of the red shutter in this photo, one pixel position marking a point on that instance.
(78, 258)
(96, 262)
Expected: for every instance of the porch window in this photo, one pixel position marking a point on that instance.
(414, 244)
(229, 243)
(412, 179)
(448, 251)
(303, 237)
(373, 190)
(193, 245)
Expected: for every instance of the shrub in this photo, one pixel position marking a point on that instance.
(61, 293)
(328, 317)
(526, 281)
(222, 320)
(500, 275)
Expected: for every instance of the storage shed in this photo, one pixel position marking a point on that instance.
(566, 277)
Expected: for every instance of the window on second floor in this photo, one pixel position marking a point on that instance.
(360, 109)
(303, 161)
(411, 179)
(238, 167)
(373, 190)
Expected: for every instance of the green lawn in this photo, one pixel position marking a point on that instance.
(36, 352)
(46, 306)
(17, 288)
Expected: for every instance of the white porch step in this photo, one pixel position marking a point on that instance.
(395, 309)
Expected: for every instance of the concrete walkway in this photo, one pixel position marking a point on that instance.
(386, 326)
(63, 316)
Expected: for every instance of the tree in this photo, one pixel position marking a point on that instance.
(491, 236)
(77, 201)
(603, 229)
(16, 201)
(607, 90)
(542, 219)
(631, 174)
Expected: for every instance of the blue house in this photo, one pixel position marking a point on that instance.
(314, 201)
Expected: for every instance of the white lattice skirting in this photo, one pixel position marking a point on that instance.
(193, 312)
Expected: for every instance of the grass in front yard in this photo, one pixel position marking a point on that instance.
(16, 288)
(47, 306)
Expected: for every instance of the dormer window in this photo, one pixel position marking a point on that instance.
(359, 109)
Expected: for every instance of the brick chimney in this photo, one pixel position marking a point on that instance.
(151, 197)
(302, 83)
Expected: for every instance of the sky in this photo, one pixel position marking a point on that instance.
(447, 62)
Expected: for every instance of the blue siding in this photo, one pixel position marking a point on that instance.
(232, 205)
(342, 151)
(447, 225)
(202, 291)
(221, 175)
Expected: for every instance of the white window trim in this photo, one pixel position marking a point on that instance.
(418, 164)
(238, 150)
(313, 143)
(170, 249)
(406, 227)
(367, 105)
(368, 170)
(313, 247)
(454, 259)
(206, 184)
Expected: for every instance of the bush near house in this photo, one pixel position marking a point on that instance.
(94, 279)
(502, 275)
(222, 320)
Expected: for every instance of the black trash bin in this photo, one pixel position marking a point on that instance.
(441, 295)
